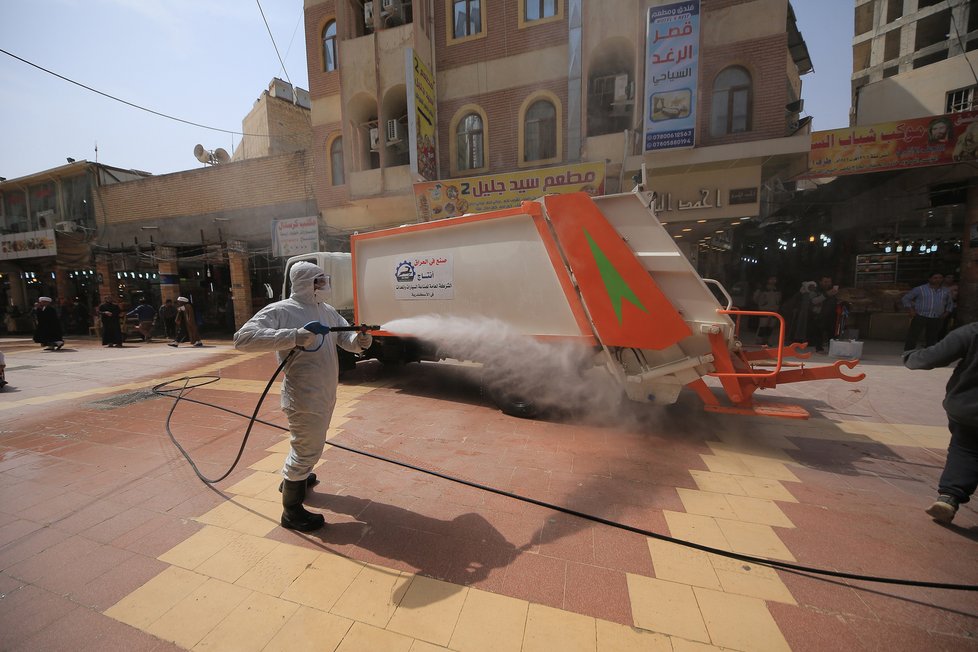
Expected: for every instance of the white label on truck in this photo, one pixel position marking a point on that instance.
(424, 276)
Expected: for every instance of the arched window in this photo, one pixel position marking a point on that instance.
(540, 132)
(469, 143)
(731, 102)
(329, 46)
(336, 162)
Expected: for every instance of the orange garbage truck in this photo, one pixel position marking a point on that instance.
(599, 275)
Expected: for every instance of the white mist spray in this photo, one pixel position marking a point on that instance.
(549, 374)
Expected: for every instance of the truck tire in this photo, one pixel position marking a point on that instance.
(515, 405)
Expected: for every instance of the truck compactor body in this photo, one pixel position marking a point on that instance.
(598, 272)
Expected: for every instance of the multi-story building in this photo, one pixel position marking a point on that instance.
(522, 85)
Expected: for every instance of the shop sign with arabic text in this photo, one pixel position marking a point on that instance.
(918, 142)
(672, 40)
(452, 197)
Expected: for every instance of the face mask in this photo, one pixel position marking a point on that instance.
(321, 294)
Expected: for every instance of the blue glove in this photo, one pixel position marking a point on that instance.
(317, 328)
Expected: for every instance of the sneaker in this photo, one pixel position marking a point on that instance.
(59, 345)
(198, 344)
(943, 509)
(49, 347)
(173, 344)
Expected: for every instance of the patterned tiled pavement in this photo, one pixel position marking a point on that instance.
(108, 541)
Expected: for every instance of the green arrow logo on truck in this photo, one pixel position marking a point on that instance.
(616, 286)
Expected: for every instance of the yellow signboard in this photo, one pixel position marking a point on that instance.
(421, 121)
(451, 197)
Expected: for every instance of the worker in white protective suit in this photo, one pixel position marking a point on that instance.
(309, 388)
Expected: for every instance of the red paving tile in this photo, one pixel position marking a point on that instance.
(810, 630)
(598, 592)
(536, 578)
(83, 630)
(29, 610)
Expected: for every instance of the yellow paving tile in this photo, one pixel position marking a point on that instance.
(276, 572)
(549, 629)
(765, 488)
(721, 483)
(224, 515)
(250, 626)
(236, 558)
(676, 563)
(373, 595)
(698, 529)
(428, 610)
(755, 586)
(282, 448)
(366, 638)
(489, 623)
(759, 510)
(665, 607)
(705, 503)
(725, 464)
(255, 483)
(682, 645)
(752, 446)
(739, 622)
(613, 637)
(322, 584)
(154, 598)
(271, 464)
(884, 433)
(424, 646)
(193, 617)
(754, 539)
(201, 545)
(764, 468)
(260, 517)
(310, 630)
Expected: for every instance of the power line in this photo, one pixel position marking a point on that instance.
(128, 103)
(262, 11)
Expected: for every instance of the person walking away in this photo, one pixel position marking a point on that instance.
(795, 312)
(168, 313)
(929, 304)
(186, 324)
(311, 378)
(960, 476)
(48, 331)
(767, 299)
(146, 316)
(822, 317)
(109, 313)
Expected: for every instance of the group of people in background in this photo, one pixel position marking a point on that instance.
(179, 322)
(815, 315)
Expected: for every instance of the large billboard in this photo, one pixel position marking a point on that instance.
(672, 47)
(421, 117)
(451, 197)
(918, 142)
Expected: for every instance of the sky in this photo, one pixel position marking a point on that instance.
(207, 61)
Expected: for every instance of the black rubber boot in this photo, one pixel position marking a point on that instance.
(311, 482)
(294, 515)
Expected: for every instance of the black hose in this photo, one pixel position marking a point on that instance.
(772, 563)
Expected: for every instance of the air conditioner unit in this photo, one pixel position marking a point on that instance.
(374, 139)
(623, 90)
(395, 132)
(66, 227)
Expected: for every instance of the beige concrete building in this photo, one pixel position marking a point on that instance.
(913, 58)
(522, 85)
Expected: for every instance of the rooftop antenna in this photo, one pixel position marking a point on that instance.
(96, 151)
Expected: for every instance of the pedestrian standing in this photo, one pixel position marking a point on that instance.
(929, 305)
(168, 313)
(146, 316)
(47, 331)
(109, 313)
(822, 314)
(186, 324)
(767, 299)
(960, 476)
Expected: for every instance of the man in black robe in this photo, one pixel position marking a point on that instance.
(47, 333)
(111, 331)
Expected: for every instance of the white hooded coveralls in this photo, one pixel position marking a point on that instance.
(309, 386)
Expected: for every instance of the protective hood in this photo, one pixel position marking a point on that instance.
(301, 276)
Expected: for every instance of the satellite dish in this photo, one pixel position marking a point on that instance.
(221, 155)
(202, 155)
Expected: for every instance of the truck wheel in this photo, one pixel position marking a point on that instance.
(515, 405)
